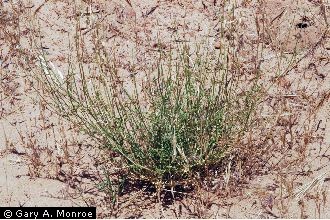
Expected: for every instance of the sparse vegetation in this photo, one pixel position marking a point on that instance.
(216, 109)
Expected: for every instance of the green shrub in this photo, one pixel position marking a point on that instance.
(185, 118)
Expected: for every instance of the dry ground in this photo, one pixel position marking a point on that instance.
(46, 162)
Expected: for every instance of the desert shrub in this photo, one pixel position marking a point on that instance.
(184, 117)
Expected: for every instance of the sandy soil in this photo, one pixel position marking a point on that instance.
(36, 169)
